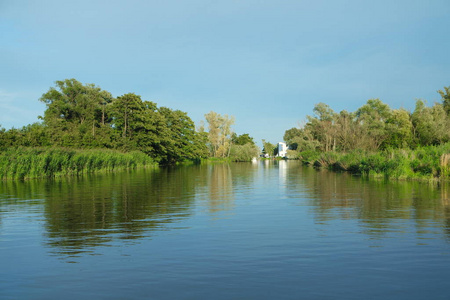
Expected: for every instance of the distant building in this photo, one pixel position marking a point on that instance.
(282, 149)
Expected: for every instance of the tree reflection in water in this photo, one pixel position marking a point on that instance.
(81, 214)
(376, 204)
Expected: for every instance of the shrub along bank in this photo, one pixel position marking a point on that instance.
(425, 163)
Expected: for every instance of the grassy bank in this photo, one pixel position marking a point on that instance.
(24, 163)
(426, 163)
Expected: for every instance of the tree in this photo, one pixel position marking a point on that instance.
(219, 133)
(301, 139)
(431, 124)
(269, 148)
(446, 99)
(242, 139)
(292, 136)
(372, 117)
(399, 128)
(244, 152)
(350, 134)
(179, 139)
(126, 110)
(74, 112)
(323, 127)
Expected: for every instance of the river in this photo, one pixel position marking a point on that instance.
(267, 230)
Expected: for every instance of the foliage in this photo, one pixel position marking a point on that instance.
(219, 134)
(82, 116)
(374, 126)
(242, 139)
(269, 148)
(178, 139)
(430, 162)
(245, 152)
(445, 94)
(431, 124)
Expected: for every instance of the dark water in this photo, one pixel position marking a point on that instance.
(242, 231)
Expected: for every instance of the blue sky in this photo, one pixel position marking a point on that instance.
(264, 62)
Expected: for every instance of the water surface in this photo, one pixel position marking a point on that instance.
(270, 230)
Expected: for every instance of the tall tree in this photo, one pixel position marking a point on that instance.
(445, 94)
(179, 139)
(219, 133)
(74, 111)
(431, 124)
(291, 137)
(399, 128)
(372, 117)
(323, 126)
(139, 124)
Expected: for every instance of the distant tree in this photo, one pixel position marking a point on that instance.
(244, 152)
(179, 140)
(126, 111)
(11, 137)
(445, 94)
(242, 139)
(350, 134)
(431, 124)
(219, 133)
(399, 128)
(74, 111)
(292, 136)
(35, 135)
(323, 127)
(269, 148)
(372, 117)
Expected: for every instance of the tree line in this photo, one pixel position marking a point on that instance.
(83, 116)
(374, 126)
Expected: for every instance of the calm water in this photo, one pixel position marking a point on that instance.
(271, 230)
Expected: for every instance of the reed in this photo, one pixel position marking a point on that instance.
(25, 163)
(425, 163)
(445, 165)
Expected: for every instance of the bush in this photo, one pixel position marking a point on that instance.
(428, 163)
(243, 152)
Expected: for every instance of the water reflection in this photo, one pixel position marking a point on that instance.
(220, 188)
(82, 214)
(377, 204)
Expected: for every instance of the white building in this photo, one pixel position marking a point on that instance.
(282, 149)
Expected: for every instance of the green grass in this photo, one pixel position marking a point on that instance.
(425, 163)
(25, 163)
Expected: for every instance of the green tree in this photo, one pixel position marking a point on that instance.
(139, 124)
(74, 111)
(179, 139)
(431, 124)
(323, 126)
(372, 117)
(269, 148)
(350, 133)
(301, 139)
(244, 152)
(242, 139)
(34, 135)
(445, 94)
(399, 128)
(292, 137)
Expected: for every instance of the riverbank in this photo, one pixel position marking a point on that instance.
(426, 163)
(26, 163)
